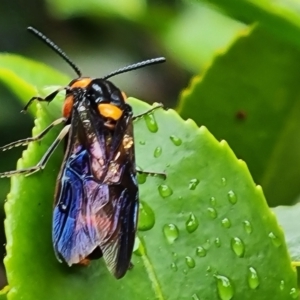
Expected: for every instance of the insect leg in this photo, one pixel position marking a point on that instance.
(160, 105)
(48, 98)
(159, 174)
(38, 137)
(42, 163)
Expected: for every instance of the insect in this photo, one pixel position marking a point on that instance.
(96, 198)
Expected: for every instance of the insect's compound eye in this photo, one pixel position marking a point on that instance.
(108, 110)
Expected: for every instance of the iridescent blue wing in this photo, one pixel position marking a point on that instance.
(75, 235)
(97, 196)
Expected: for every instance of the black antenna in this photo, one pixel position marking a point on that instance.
(55, 48)
(138, 65)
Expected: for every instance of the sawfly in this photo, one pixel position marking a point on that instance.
(96, 198)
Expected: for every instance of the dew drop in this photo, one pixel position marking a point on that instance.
(193, 183)
(192, 223)
(142, 142)
(238, 246)
(247, 227)
(232, 197)
(224, 286)
(200, 251)
(195, 297)
(224, 181)
(213, 201)
(212, 212)
(253, 280)
(157, 152)
(281, 286)
(207, 244)
(226, 223)
(138, 248)
(190, 262)
(175, 255)
(208, 269)
(217, 242)
(151, 122)
(146, 217)
(164, 190)
(141, 178)
(174, 266)
(171, 232)
(294, 293)
(176, 140)
(275, 240)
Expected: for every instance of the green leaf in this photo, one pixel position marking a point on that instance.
(3, 292)
(27, 78)
(29, 72)
(281, 18)
(249, 96)
(204, 231)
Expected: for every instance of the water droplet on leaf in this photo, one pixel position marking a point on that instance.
(146, 217)
(226, 223)
(218, 242)
(175, 140)
(200, 251)
(247, 226)
(138, 247)
(238, 246)
(151, 122)
(275, 240)
(165, 191)
(195, 297)
(213, 201)
(192, 223)
(141, 178)
(224, 286)
(171, 233)
(212, 212)
(174, 266)
(281, 286)
(157, 152)
(193, 183)
(232, 197)
(294, 293)
(190, 262)
(253, 278)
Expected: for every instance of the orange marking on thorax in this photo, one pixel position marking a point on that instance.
(108, 110)
(124, 96)
(81, 83)
(68, 106)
